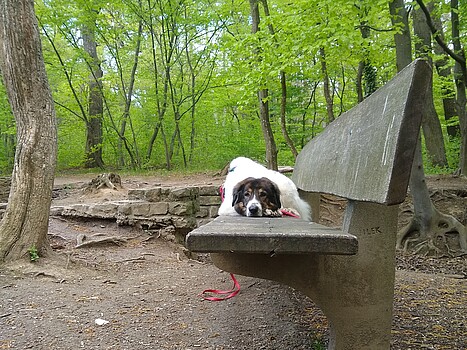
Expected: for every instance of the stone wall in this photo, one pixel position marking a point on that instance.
(171, 211)
(5, 183)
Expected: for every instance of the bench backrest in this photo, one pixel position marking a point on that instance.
(364, 155)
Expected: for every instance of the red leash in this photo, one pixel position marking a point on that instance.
(289, 213)
(226, 294)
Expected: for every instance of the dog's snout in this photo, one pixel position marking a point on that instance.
(254, 209)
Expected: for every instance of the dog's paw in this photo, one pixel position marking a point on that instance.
(273, 213)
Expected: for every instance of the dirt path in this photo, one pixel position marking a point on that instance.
(147, 290)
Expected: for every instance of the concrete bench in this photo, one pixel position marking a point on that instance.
(365, 156)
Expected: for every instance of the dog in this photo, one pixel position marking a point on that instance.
(256, 197)
(242, 168)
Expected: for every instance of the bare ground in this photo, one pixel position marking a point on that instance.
(148, 290)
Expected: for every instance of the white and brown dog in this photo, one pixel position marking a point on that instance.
(256, 197)
(270, 189)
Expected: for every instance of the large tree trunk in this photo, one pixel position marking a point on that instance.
(431, 125)
(399, 18)
(25, 222)
(95, 103)
(429, 230)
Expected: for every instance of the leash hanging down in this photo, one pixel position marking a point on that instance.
(222, 294)
(227, 294)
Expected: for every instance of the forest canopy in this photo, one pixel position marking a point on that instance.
(150, 84)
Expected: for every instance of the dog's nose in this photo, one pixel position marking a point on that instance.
(254, 209)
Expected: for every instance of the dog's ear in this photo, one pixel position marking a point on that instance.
(276, 194)
(238, 190)
(237, 195)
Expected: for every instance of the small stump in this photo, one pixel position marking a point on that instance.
(109, 180)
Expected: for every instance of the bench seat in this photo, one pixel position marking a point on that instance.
(268, 235)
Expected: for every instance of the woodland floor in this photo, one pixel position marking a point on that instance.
(148, 290)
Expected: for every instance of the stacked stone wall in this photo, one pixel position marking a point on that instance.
(167, 210)
(5, 183)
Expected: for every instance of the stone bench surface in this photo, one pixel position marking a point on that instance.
(266, 235)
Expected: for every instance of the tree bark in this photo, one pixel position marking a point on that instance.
(263, 97)
(423, 232)
(25, 221)
(444, 70)
(283, 79)
(460, 78)
(95, 104)
(431, 125)
(402, 39)
(460, 73)
(326, 86)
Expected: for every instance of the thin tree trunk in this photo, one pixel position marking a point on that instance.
(366, 75)
(283, 80)
(444, 70)
(24, 225)
(128, 99)
(460, 73)
(263, 97)
(161, 106)
(460, 77)
(285, 133)
(326, 86)
(399, 18)
(431, 125)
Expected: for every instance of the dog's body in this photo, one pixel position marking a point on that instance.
(242, 168)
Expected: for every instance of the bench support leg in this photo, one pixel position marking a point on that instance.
(354, 292)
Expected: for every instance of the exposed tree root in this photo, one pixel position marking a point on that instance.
(109, 180)
(98, 239)
(443, 236)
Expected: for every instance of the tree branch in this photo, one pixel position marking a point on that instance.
(437, 36)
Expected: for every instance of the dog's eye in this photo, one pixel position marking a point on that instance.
(262, 194)
(246, 194)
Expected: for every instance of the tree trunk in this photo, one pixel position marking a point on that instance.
(428, 231)
(285, 132)
(283, 80)
(263, 96)
(444, 70)
(460, 77)
(424, 230)
(95, 103)
(271, 151)
(402, 39)
(327, 90)
(431, 125)
(25, 222)
(135, 160)
(366, 74)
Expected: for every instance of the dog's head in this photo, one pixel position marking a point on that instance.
(255, 197)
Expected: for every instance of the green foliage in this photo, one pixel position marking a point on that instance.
(452, 154)
(195, 67)
(33, 253)
(7, 133)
